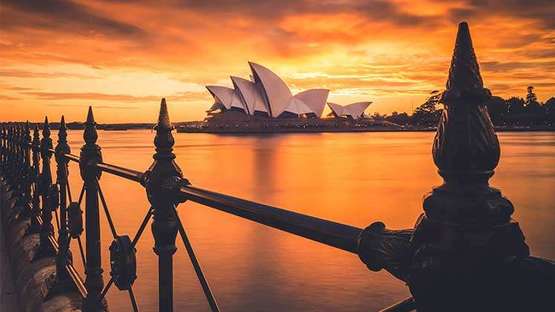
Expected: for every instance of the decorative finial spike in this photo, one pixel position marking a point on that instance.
(62, 133)
(62, 147)
(90, 135)
(164, 117)
(465, 146)
(46, 128)
(90, 116)
(464, 73)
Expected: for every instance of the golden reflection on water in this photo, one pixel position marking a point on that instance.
(353, 178)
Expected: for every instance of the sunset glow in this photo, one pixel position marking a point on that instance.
(59, 56)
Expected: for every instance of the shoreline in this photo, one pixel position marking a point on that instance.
(339, 130)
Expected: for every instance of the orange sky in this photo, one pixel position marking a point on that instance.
(122, 56)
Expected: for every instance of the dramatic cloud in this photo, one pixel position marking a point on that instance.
(59, 56)
(542, 11)
(62, 15)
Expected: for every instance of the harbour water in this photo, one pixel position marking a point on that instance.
(352, 178)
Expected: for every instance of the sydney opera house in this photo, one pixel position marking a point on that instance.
(265, 94)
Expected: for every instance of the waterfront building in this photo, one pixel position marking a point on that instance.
(266, 94)
(354, 110)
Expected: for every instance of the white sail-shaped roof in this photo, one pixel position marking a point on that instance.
(252, 99)
(336, 109)
(276, 93)
(315, 99)
(354, 110)
(297, 107)
(226, 96)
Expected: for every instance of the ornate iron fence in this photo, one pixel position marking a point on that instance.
(466, 253)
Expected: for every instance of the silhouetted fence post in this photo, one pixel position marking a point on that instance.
(162, 180)
(16, 164)
(466, 252)
(62, 179)
(9, 154)
(90, 156)
(27, 171)
(45, 185)
(35, 178)
(2, 146)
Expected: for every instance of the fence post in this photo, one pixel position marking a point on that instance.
(35, 200)
(26, 173)
(16, 165)
(9, 167)
(2, 146)
(162, 180)
(45, 182)
(466, 245)
(90, 156)
(17, 159)
(62, 148)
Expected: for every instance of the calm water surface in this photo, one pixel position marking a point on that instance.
(350, 178)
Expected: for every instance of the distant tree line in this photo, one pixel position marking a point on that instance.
(514, 111)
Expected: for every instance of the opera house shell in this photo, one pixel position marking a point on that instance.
(266, 94)
(354, 110)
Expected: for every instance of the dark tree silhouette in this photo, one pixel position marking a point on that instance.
(515, 105)
(498, 108)
(428, 114)
(550, 111)
(531, 97)
(533, 108)
(398, 118)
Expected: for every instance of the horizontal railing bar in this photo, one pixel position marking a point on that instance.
(122, 172)
(326, 232)
(125, 173)
(72, 157)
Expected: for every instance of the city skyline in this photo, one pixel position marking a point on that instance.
(122, 57)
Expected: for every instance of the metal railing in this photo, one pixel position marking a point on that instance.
(26, 164)
(465, 253)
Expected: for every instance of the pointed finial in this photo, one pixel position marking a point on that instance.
(46, 128)
(164, 140)
(464, 74)
(62, 147)
(90, 116)
(90, 135)
(63, 123)
(90, 151)
(465, 146)
(164, 117)
(62, 133)
(46, 142)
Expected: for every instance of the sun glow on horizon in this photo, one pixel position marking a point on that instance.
(123, 57)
